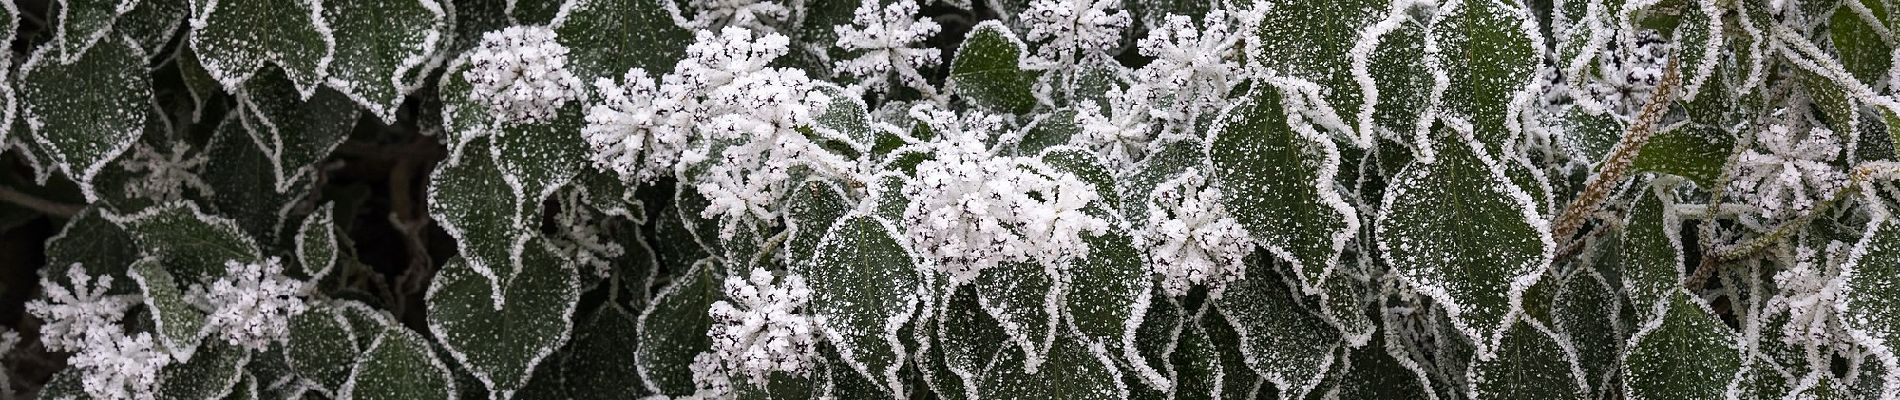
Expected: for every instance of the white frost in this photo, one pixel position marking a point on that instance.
(521, 73)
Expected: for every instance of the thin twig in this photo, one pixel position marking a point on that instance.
(45, 206)
(1620, 158)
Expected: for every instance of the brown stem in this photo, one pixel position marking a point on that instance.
(1618, 163)
(45, 206)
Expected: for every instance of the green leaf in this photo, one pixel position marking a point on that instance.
(323, 346)
(502, 336)
(211, 373)
(1593, 136)
(1372, 373)
(65, 385)
(1280, 335)
(468, 198)
(1531, 363)
(399, 365)
(1403, 85)
(1314, 41)
(316, 243)
(1586, 312)
(1075, 370)
(1691, 151)
(153, 23)
(1156, 336)
(179, 326)
(1167, 162)
(1486, 52)
(92, 239)
(1024, 298)
(295, 130)
(1699, 44)
(1463, 234)
(1197, 363)
(605, 38)
(602, 364)
(1652, 257)
(189, 244)
(810, 213)
(1863, 52)
(85, 113)
(233, 39)
(538, 159)
(84, 23)
(245, 185)
(1048, 130)
(1114, 289)
(864, 282)
(673, 329)
(1276, 178)
(988, 71)
(967, 338)
(1867, 307)
(380, 45)
(1654, 368)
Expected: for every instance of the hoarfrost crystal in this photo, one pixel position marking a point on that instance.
(627, 132)
(252, 304)
(521, 73)
(1122, 136)
(1067, 27)
(745, 14)
(118, 366)
(165, 175)
(1192, 68)
(889, 40)
(1795, 172)
(69, 314)
(758, 329)
(1190, 238)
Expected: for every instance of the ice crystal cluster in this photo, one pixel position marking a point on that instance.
(951, 199)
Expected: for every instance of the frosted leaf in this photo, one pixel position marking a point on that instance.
(1795, 173)
(1396, 86)
(463, 197)
(753, 15)
(810, 213)
(83, 23)
(520, 73)
(1026, 301)
(672, 330)
(153, 23)
(322, 346)
(316, 243)
(463, 119)
(252, 304)
(1315, 42)
(1531, 363)
(1652, 254)
(586, 236)
(762, 327)
(178, 324)
(503, 337)
(246, 180)
(1190, 237)
(295, 131)
(1193, 68)
(1064, 30)
(213, 373)
(1279, 334)
(164, 174)
(864, 286)
(190, 244)
(538, 159)
(1475, 256)
(889, 45)
(1167, 160)
(1587, 315)
(1654, 367)
(234, 39)
(1239, 379)
(1865, 308)
(1275, 172)
(1699, 44)
(91, 239)
(599, 33)
(1859, 32)
(1489, 51)
(1376, 372)
(987, 69)
(1077, 369)
(602, 357)
(626, 131)
(380, 46)
(1199, 372)
(399, 365)
(1691, 151)
(85, 113)
(69, 314)
(1115, 289)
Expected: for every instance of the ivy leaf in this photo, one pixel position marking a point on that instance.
(233, 39)
(152, 23)
(191, 245)
(1401, 86)
(967, 338)
(1168, 161)
(1864, 52)
(602, 364)
(1155, 337)
(988, 71)
(1652, 256)
(84, 23)
(810, 213)
(1867, 308)
(1592, 136)
(673, 329)
(92, 239)
(316, 243)
(1047, 130)
(179, 326)
(1199, 373)
(1531, 363)
(864, 283)
(1076, 369)
(1025, 300)
(323, 346)
(538, 159)
(1314, 42)
(399, 365)
(1372, 373)
(1117, 289)
(210, 374)
(85, 113)
(1654, 368)
(1486, 50)
(1693, 151)
(1586, 312)
(246, 182)
(295, 130)
(1459, 231)
(1280, 335)
(598, 34)
(501, 336)
(467, 199)
(1277, 179)
(380, 45)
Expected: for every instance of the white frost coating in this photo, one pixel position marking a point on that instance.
(626, 132)
(1122, 136)
(585, 236)
(521, 73)
(424, 57)
(1193, 69)
(760, 328)
(251, 306)
(1793, 175)
(68, 315)
(753, 15)
(81, 174)
(972, 210)
(891, 42)
(1190, 238)
(114, 365)
(1361, 55)
(1808, 288)
(61, 34)
(1067, 28)
(164, 175)
(710, 379)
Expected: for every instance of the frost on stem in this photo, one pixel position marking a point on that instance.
(760, 329)
(744, 14)
(164, 175)
(628, 131)
(521, 73)
(1793, 175)
(586, 236)
(1190, 238)
(972, 210)
(889, 41)
(1068, 27)
(1122, 136)
(85, 320)
(1192, 69)
(251, 305)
